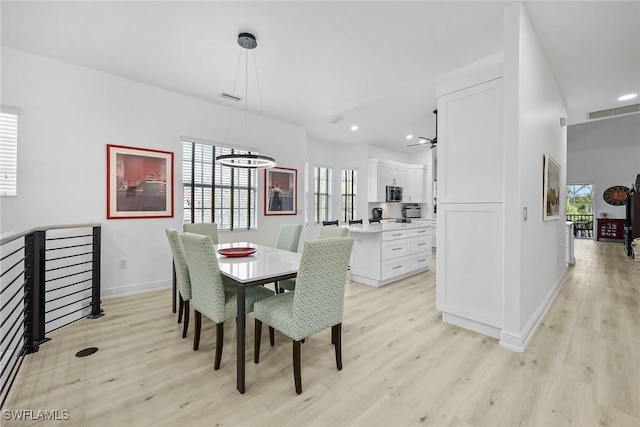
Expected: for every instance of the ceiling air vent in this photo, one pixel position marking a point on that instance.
(610, 112)
(230, 97)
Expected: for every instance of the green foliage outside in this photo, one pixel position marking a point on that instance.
(580, 199)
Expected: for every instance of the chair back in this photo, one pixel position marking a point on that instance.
(206, 228)
(330, 232)
(207, 290)
(289, 237)
(318, 300)
(355, 221)
(183, 281)
(325, 223)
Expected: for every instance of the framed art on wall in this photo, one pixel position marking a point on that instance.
(139, 183)
(280, 191)
(551, 183)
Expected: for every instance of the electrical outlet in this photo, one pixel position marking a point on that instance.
(122, 263)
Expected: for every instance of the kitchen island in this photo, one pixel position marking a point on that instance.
(386, 252)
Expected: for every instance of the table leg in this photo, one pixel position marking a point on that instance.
(174, 291)
(240, 326)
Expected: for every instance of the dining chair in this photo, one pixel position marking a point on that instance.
(330, 232)
(355, 221)
(317, 303)
(182, 277)
(325, 223)
(210, 295)
(206, 228)
(372, 220)
(288, 240)
(325, 233)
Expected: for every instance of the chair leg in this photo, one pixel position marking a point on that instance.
(219, 342)
(333, 336)
(296, 366)
(180, 309)
(276, 287)
(186, 319)
(336, 332)
(196, 334)
(256, 341)
(272, 336)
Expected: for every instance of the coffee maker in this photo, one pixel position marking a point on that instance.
(377, 213)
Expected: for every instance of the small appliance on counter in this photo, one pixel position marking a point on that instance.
(411, 211)
(394, 194)
(377, 214)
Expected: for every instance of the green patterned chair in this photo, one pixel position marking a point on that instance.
(288, 239)
(207, 228)
(317, 303)
(210, 295)
(331, 232)
(325, 233)
(183, 283)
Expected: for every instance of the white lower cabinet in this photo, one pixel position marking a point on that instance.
(381, 258)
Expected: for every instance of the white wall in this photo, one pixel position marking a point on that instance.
(534, 249)
(69, 115)
(604, 153)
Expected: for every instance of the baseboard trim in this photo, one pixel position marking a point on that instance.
(121, 291)
(472, 325)
(518, 342)
(379, 283)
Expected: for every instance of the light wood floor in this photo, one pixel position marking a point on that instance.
(402, 365)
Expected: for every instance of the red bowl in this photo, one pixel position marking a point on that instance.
(237, 252)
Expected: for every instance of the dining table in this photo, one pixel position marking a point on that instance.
(265, 265)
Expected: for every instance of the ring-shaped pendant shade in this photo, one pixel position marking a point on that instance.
(247, 161)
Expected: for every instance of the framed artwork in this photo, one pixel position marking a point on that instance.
(551, 182)
(139, 183)
(280, 189)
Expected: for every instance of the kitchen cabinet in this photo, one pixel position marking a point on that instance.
(387, 252)
(383, 173)
(415, 191)
(470, 262)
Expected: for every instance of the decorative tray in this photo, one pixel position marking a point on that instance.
(237, 252)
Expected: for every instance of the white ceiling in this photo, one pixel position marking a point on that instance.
(374, 63)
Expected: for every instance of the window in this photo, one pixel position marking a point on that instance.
(213, 193)
(9, 151)
(322, 194)
(349, 192)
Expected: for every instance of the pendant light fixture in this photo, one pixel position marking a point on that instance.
(248, 161)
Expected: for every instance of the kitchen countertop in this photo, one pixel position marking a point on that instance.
(385, 226)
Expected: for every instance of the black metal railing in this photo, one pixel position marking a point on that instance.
(50, 277)
(583, 224)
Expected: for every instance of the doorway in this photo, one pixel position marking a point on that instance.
(580, 209)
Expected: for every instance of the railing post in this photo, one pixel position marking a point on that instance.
(34, 315)
(95, 281)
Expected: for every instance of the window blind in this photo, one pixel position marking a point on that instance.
(8, 153)
(349, 193)
(214, 193)
(322, 194)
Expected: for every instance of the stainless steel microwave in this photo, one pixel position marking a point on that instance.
(394, 194)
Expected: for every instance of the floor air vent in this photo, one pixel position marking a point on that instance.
(610, 112)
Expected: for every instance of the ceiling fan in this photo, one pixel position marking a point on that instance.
(424, 139)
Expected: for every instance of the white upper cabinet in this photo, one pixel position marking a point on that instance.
(470, 154)
(383, 173)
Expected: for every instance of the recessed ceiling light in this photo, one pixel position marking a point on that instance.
(627, 97)
(409, 136)
(354, 127)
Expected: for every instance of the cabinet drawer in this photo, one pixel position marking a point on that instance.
(394, 249)
(417, 232)
(394, 267)
(396, 234)
(419, 261)
(419, 244)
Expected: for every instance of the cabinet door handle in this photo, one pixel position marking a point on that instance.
(395, 268)
(396, 249)
(421, 244)
(422, 260)
(399, 234)
(422, 231)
